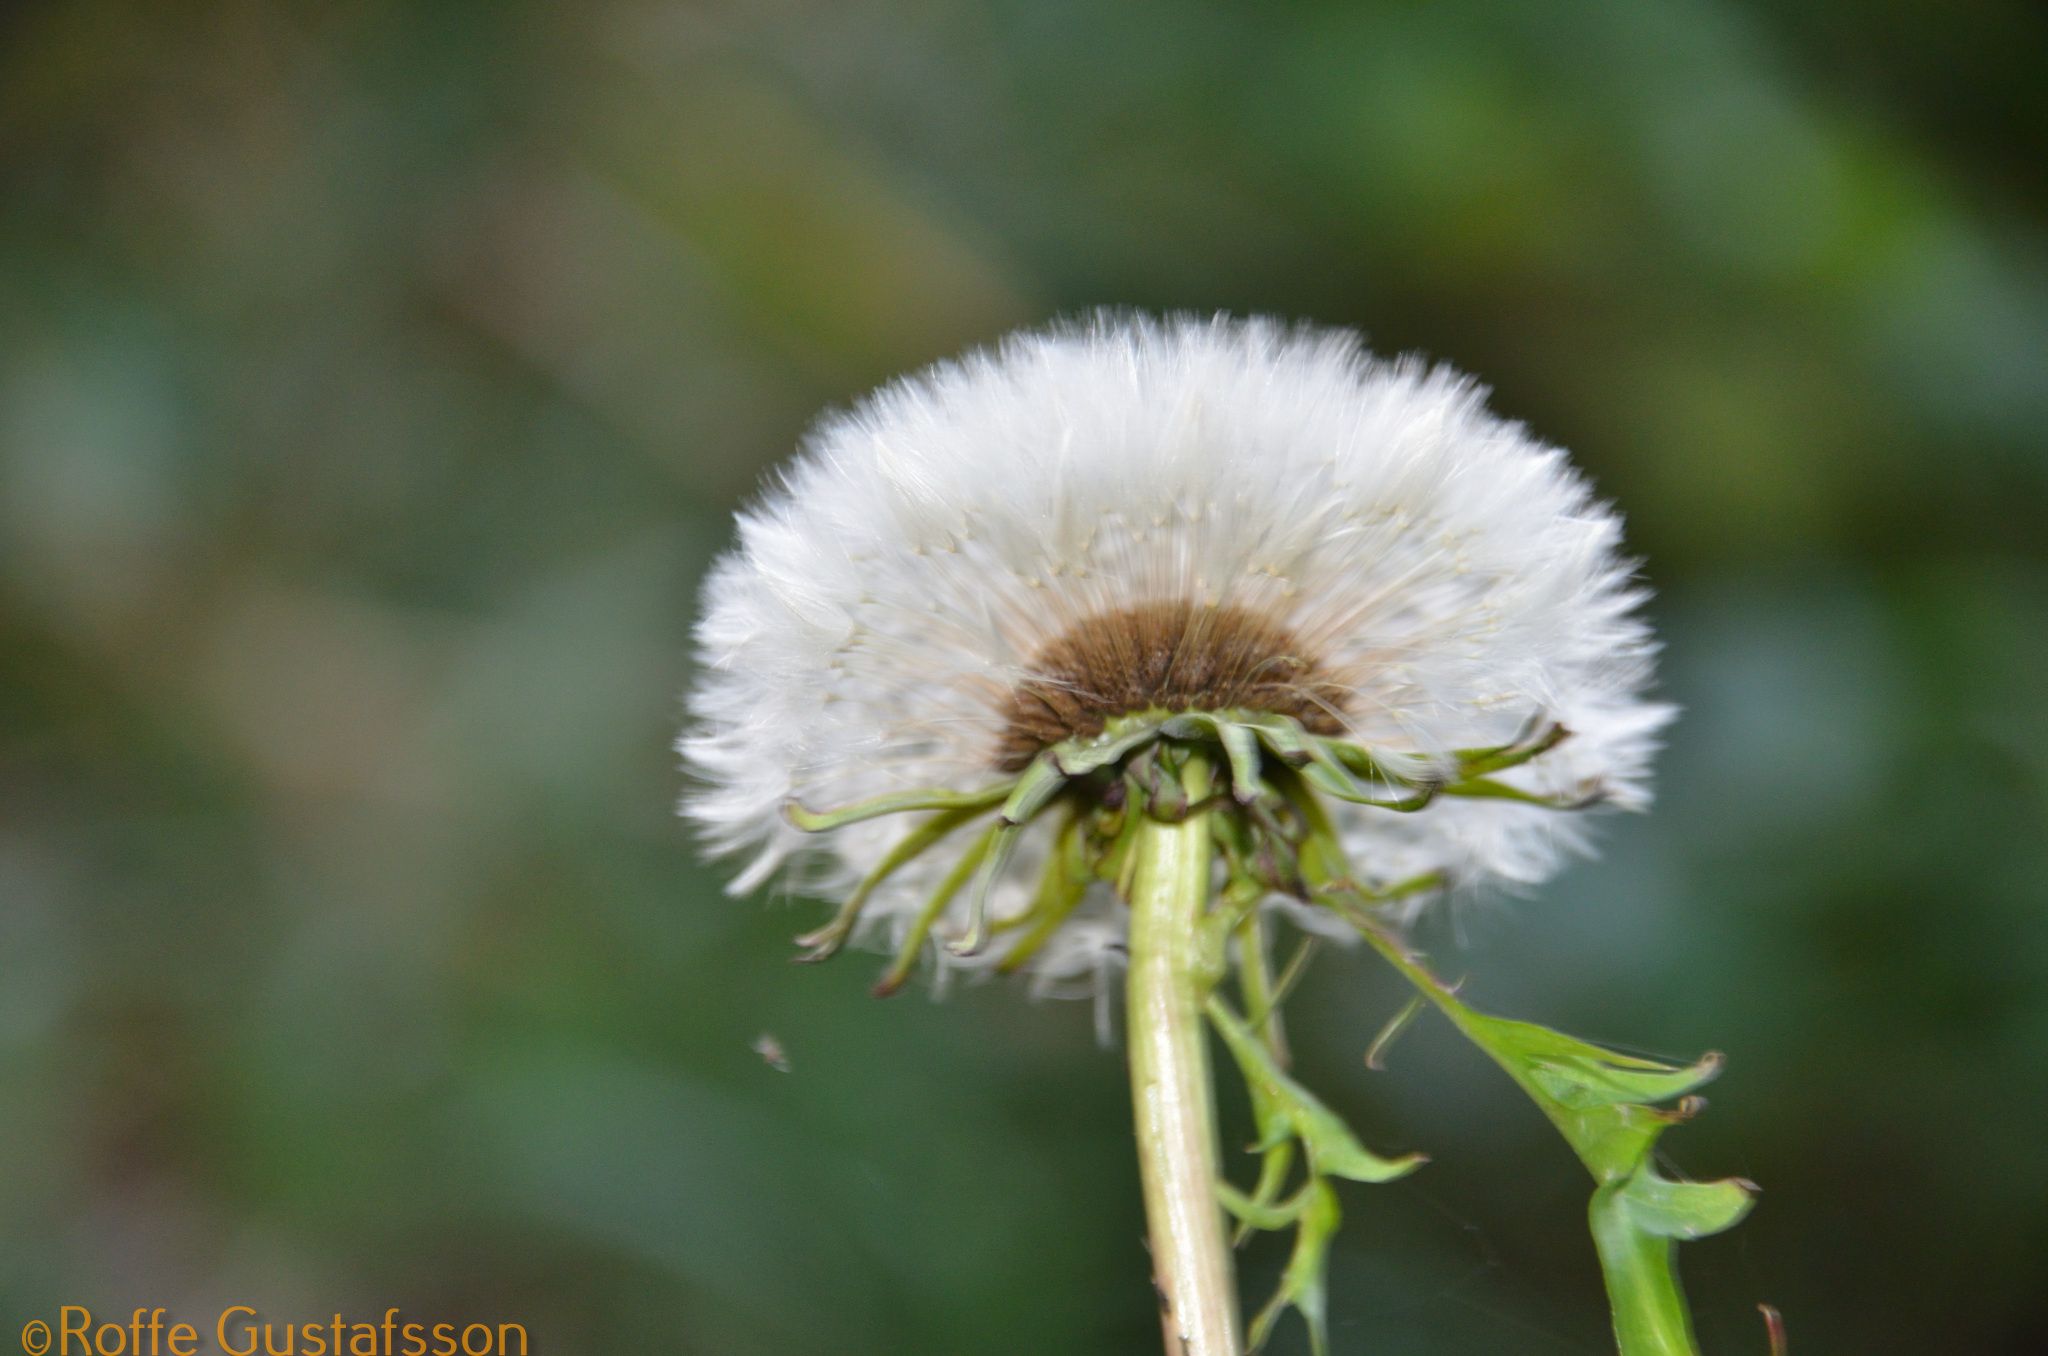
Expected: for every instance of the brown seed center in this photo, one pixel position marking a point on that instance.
(1174, 656)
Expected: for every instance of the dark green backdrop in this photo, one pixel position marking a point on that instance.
(376, 379)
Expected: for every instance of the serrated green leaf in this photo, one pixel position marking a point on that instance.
(1636, 1225)
(1256, 1213)
(1596, 1080)
(1684, 1210)
(1581, 1075)
(1331, 1146)
(1262, 997)
(1301, 1284)
(1649, 1312)
(1598, 1099)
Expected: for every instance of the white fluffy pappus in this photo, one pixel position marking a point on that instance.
(1452, 577)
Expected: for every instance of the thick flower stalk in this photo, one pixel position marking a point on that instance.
(1118, 651)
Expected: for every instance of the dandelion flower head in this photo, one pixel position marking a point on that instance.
(1123, 520)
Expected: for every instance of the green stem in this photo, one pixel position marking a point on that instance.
(1170, 1089)
(1255, 977)
(1255, 982)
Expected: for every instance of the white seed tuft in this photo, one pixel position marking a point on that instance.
(1453, 575)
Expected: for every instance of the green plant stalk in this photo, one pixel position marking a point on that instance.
(1172, 1101)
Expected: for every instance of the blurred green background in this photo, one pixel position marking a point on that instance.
(377, 379)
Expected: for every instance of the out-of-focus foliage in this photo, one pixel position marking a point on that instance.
(376, 379)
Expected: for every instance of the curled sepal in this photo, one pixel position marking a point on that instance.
(921, 926)
(1032, 792)
(898, 802)
(1061, 889)
(1486, 788)
(1332, 1148)
(1239, 741)
(1333, 779)
(993, 861)
(1537, 738)
(823, 943)
(1599, 1101)
(1156, 787)
(1079, 757)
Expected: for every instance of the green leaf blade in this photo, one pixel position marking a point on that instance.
(1331, 1146)
(1600, 1100)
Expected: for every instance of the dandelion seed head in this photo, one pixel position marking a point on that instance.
(1016, 547)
